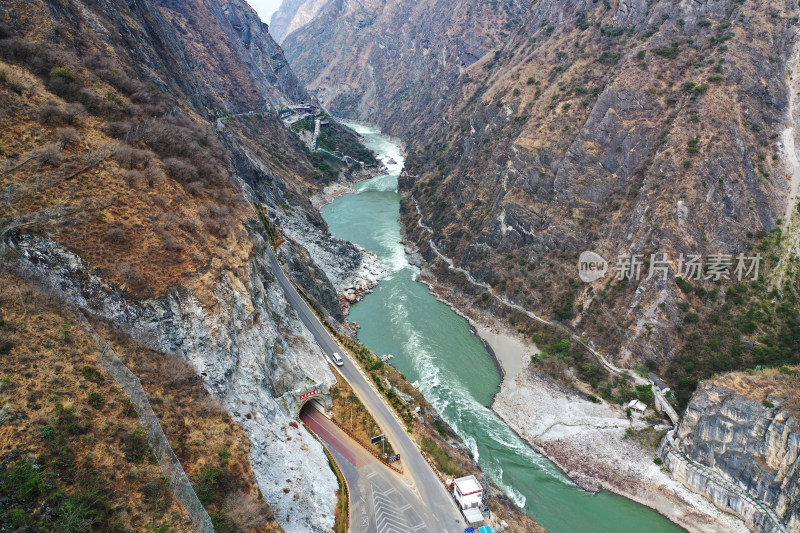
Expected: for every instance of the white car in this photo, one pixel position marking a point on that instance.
(337, 359)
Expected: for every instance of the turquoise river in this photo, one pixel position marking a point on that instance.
(433, 345)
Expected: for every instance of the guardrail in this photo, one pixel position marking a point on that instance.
(366, 447)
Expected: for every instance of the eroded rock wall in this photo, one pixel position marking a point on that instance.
(739, 443)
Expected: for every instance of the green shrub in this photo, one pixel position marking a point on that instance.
(92, 374)
(213, 484)
(24, 480)
(658, 461)
(114, 98)
(768, 404)
(47, 432)
(156, 494)
(134, 445)
(683, 285)
(691, 318)
(62, 74)
(95, 399)
(18, 518)
(224, 455)
(74, 515)
(670, 52)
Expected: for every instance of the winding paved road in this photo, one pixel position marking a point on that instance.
(434, 505)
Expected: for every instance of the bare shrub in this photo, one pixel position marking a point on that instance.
(176, 371)
(180, 138)
(19, 85)
(134, 110)
(246, 511)
(115, 235)
(160, 201)
(196, 188)
(68, 136)
(87, 98)
(52, 112)
(120, 80)
(154, 174)
(181, 170)
(142, 158)
(220, 226)
(171, 244)
(118, 129)
(131, 274)
(131, 157)
(143, 97)
(208, 405)
(74, 112)
(133, 177)
(51, 155)
(190, 225)
(171, 220)
(16, 48)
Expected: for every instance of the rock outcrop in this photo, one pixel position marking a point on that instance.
(158, 226)
(742, 454)
(249, 349)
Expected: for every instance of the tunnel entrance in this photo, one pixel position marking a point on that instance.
(305, 393)
(313, 403)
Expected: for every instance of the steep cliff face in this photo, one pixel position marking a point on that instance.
(538, 130)
(293, 15)
(388, 62)
(626, 128)
(250, 350)
(242, 64)
(124, 200)
(742, 431)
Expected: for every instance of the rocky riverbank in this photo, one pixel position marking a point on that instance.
(591, 443)
(344, 186)
(600, 449)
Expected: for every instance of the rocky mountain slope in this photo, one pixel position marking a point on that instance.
(626, 130)
(389, 62)
(742, 431)
(293, 15)
(539, 130)
(122, 199)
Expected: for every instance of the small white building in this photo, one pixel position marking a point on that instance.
(468, 492)
(637, 406)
